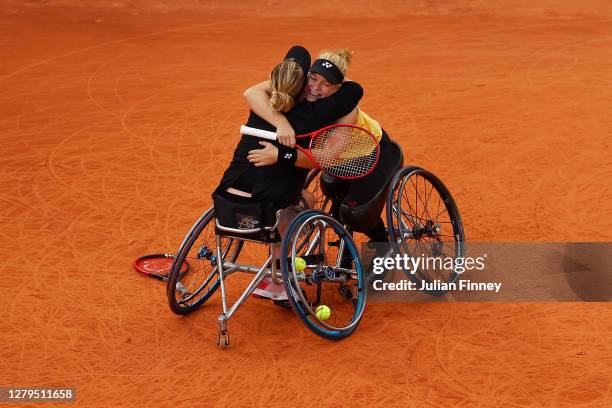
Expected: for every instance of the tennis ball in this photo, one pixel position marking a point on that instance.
(300, 264)
(323, 312)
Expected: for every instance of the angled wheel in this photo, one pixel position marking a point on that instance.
(327, 290)
(424, 221)
(188, 290)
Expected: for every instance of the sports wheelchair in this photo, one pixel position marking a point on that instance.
(325, 288)
(422, 218)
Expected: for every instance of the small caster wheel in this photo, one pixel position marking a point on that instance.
(223, 340)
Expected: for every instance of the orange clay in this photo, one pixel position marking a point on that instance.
(117, 119)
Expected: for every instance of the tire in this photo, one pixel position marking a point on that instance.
(333, 277)
(423, 219)
(188, 291)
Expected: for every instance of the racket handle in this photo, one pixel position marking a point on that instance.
(264, 134)
(162, 278)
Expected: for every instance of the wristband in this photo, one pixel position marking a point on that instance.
(286, 155)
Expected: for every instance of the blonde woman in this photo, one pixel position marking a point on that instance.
(281, 181)
(283, 110)
(361, 206)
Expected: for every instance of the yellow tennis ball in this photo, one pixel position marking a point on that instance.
(323, 312)
(300, 264)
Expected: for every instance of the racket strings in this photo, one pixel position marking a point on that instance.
(345, 151)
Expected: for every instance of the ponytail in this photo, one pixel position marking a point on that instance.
(286, 81)
(281, 101)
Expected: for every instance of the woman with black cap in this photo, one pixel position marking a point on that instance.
(281, 183)
(362, 200)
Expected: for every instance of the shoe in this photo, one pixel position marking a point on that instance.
(267, 289)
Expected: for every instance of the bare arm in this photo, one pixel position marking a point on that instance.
(258, 98)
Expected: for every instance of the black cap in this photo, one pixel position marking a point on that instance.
(300, 55)
(328, 69)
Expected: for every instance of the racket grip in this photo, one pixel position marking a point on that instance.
(264, 134)
(162, 278)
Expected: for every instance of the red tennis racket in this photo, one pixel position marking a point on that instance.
(157, 266)
(343, 151)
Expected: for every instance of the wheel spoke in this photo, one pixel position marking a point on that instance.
(333, 283)
(428, 223)
(190, 290)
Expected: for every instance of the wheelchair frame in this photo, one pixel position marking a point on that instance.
(316, 274)
(413, 230)
(405, 226)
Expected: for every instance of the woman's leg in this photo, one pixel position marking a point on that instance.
(267, 288)
(365, 199)
(378, 233)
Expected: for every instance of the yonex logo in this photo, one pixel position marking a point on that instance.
(326, 64)
(288, 155)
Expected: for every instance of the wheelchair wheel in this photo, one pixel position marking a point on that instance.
(424, 221)
(329, 294)
(313, 186)
(189, 290)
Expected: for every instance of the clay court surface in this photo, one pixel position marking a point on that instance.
(118, 118)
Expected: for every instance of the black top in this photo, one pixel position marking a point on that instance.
(280, 184)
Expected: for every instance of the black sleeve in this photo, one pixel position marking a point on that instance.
(339, 104)
(307, 117)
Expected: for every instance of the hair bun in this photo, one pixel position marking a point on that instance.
(346, 55)
(341, 57)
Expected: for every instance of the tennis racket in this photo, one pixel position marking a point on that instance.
(343, 151)
(157, 266)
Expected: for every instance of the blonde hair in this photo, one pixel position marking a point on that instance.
(286, 81)
(341, 58)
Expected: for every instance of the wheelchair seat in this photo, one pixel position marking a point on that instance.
(248, 221)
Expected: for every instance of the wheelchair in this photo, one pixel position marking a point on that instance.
(330, 277)
(422, 218)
